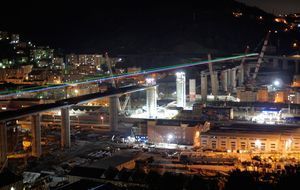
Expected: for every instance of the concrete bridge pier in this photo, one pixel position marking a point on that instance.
(152, 102)
(224, 76)
(3, 144)
(180, 89)
(36, 135)
(65, 128)
(215, 85)
(203, 86)
(233, 80)
(113, 113)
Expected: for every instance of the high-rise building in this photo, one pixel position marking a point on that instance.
(84, 59)
(72, 60)
(41, 53)
(15, 38)
(90, 59)
(4, 35)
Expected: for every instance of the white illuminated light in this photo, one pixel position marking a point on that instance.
(76, 91)
(288, 144)
(170, 137)
(276, 83)
(180, 74)
(150, 81)
(258, 144)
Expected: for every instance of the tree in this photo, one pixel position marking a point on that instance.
(241, 180)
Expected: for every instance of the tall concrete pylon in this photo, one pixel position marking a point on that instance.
(229, 80)
(180, 89)
(113, 113)
(224, 76)
(241, 76)
(241, 69)
(192, 89)
(151, 94)
(65, 128)
(215, 85)
(214, 82)
(233, 80)
(203, 86)
(36, 135)
(3, 145)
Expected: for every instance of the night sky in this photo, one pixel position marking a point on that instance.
(276, 6)
(71, 25)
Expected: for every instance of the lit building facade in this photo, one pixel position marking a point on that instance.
(256, 138)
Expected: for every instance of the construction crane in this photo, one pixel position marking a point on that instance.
(251, 80)
(261, 56)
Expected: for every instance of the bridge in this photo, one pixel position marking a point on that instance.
(65, 104)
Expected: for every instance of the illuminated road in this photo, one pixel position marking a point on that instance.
(105, 78)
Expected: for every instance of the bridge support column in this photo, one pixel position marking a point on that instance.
(113, 113)
(203, 87)
(36, 135)
(241, 75)
(228, 79)
(224, 76)
(180, 89)
(3, 144)
(65, 128)
(152, 102)
(233, 80)
(192, 90)
(215, 85)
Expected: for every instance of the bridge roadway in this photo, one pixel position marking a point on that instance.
(23, 112)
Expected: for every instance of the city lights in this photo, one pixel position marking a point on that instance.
(180, 99)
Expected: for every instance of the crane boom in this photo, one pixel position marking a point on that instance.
(261, 55)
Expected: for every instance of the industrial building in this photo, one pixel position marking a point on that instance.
(252, 138)
(171, 131)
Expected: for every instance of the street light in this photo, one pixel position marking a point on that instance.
(169, 138)
(276, 83)
(102, 118)
(288, 144)
(258, 144)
